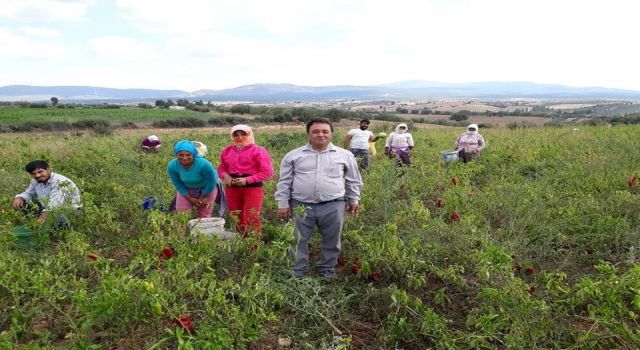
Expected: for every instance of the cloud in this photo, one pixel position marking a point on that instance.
(45, 10)
(120, 48)
(23, 47)
(40, 32)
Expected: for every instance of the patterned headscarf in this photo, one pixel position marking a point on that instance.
(472, 126)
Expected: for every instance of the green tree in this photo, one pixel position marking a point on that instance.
(54, 101)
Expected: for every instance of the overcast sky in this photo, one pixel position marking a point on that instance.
(207, 44)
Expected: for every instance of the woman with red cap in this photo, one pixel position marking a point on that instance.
(243, 168)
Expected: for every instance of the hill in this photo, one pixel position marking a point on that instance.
(415, 89)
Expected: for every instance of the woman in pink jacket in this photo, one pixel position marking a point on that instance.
(243, 168)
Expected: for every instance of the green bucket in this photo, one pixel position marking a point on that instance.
(24, 236)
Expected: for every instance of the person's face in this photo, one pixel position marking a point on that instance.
(364, 126)
(319, 135)
(41, 175)
(184, 158)
(239, 136)
(472, 129)
(402, 129)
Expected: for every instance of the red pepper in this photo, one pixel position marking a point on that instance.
(342, 261)
(376, 276)
(166, 253)
(92, 256)
(185, 322)
(633, 181)
(355, 268)
(454, 181)
(439, 203)
(455, 216)
(530, 271)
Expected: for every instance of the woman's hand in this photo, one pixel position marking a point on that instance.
(239, 181)
(204, 201)
(227, 180)
(194, 201)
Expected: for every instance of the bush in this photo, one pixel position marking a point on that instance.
(240, 109)
(90, 124)
(182, 122)
(227, 121)
(459, 116)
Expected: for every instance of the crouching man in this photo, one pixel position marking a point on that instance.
(46, 192)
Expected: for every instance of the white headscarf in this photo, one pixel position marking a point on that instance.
(247, 129)
(472, 126)
(406, 128)
(153, 138)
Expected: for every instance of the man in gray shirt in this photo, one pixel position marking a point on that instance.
(315, 181)
(48, 191)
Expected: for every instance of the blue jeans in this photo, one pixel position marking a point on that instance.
(361, 153)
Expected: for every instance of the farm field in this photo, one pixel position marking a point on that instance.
(10, 115)
(533, 245)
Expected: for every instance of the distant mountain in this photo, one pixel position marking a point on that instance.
(80, 93)
(414, 89)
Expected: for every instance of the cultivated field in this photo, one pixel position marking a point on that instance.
(542, 251)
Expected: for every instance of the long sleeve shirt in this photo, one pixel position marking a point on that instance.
(201, 175)
(249, 160)
(57, 192)
(470, 142)
(314, 177)
(395, 139)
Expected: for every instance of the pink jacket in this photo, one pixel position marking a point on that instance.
(251, 159)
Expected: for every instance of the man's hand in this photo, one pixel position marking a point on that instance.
(284, 213)
(18, 203)
(353, 208)
(42, 218)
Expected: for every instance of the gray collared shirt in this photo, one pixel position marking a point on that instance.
(58, 191)
(313, 177)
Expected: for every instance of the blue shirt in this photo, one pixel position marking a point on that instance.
(201, 175)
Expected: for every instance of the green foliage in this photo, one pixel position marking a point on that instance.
(544, 255)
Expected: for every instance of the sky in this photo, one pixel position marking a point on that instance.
(208, 44)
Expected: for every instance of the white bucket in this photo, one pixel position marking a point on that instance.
(209, 227)
(449, 156)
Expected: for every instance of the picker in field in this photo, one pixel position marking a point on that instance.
(243, 168)
(150, 144)
(469, 144)
(201, 148)
(194, 178)
(357, 142)
(47, 191)
(315, 181)
(400, 144)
